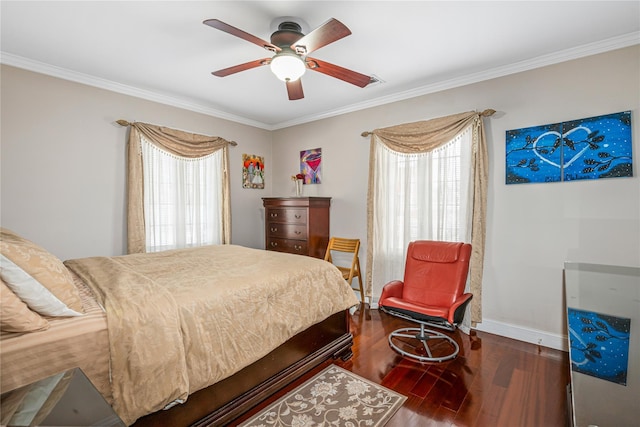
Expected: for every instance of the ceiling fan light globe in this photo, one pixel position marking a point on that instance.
(288, 67)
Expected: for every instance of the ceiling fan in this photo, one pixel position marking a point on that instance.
(291, 48)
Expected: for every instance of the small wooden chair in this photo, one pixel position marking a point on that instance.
(351, 246)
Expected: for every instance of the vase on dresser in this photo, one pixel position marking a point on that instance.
(297, 225)
(299, 186)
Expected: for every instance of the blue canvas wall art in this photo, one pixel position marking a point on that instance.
(591, 148)
(599, 345)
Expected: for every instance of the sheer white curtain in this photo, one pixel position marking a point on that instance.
(420, 196)
(182, 199)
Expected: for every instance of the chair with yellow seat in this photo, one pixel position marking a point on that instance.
(351, 246)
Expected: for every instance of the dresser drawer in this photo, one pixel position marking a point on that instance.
(287, 231)
(286, 245)
(298, 216)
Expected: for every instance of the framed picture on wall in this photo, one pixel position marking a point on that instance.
(252, 171)
(591, 148)
(311, 165)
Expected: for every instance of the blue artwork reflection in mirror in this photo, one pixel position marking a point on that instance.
(599, 345)
(591, 148)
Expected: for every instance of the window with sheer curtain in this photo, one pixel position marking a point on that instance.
(427, 180)
(182, 199)
(420, 196)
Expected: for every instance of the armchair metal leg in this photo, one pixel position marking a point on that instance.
(444, 348)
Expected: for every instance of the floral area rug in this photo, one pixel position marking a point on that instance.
(334, 397)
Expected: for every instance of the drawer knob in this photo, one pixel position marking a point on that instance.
(273, 229)
(297, 232)
(273, 215)
(273, 244)
(298, 216)
(297, 247)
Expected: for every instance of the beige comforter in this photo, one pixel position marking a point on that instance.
(182, 320)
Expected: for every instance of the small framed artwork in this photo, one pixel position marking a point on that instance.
(311, 165)
(252, 171)
(591, 148)
(599, 344)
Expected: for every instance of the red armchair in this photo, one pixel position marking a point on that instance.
(432, 294)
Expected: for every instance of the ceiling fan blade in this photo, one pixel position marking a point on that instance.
(241, 67)
(294, 89)
(355, 78)
(217, 24)
(326, 33)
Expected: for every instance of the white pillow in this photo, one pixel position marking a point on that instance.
(29, 290)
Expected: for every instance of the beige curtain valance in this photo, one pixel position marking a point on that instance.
(179, 143)
(425, 136)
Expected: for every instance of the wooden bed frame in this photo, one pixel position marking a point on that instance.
(226, 400)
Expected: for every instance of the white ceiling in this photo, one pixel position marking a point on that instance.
(161, 50)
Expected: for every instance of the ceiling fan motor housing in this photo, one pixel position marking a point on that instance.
(288, 33)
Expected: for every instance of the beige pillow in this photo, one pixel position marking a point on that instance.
(42, 266)
(15, 316)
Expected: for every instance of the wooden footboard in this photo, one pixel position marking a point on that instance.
(222, 402)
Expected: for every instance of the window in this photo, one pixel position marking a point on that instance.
(182, 199)
(422, 196)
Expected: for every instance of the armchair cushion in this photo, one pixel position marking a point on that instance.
(441, 252)
(426, 310)
(435, 272)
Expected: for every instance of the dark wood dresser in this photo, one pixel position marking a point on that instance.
(297, 225)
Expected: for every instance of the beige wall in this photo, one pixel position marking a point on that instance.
(63, 163)
(63, 175)
(532, 229)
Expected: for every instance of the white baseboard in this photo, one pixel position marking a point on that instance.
(520, 333)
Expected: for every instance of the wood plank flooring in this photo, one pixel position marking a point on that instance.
(494, 381)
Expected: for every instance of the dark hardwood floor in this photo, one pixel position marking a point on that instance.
(494, 381)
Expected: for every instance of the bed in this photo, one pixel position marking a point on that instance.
(185, 337)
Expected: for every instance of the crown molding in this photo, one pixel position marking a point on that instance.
(517, 67)
(65, 74)
(602, 46)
